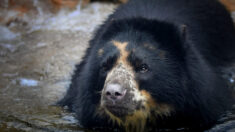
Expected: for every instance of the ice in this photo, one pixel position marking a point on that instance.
(28, 82)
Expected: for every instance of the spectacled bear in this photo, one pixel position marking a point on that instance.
(153, 65)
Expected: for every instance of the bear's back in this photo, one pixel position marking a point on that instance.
(209, 26)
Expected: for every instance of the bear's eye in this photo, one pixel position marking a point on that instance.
(143, 68)
(105, 67)
(108, 64)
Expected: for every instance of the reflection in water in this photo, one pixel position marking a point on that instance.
(37, 56)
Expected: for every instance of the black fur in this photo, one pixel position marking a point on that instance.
(186, 77)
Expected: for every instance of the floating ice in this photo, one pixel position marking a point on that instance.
(28, 82)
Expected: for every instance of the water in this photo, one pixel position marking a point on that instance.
(38, 52)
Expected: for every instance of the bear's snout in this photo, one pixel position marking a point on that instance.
(118, 92)
(114, 93)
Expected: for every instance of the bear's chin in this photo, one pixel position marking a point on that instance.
(119, 112)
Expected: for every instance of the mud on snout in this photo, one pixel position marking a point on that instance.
(120, 95)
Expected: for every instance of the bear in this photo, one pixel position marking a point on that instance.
(155, 65)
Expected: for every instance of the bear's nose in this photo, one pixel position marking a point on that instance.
(114, 92)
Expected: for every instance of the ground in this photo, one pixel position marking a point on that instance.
(36, 60)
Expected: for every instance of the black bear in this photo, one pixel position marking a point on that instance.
(154, 65)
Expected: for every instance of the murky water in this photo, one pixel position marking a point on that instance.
(37, 56)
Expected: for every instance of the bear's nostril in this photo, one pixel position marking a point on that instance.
(117, 94)
(108, 93)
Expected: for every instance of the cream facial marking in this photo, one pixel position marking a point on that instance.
(123, 53)
(159, 109)
(123, 71)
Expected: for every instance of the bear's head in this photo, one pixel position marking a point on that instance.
(143, 72)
